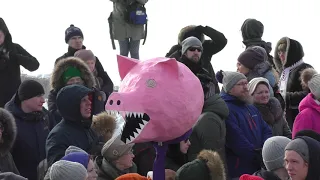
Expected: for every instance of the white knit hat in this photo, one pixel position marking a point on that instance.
(273, 152)
(255, 82)
(314, 85)
(66, 170)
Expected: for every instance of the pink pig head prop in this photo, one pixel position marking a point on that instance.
(160, 98)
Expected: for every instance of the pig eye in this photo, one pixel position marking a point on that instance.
(151, 83)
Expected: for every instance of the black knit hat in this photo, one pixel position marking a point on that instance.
(252, 56)
(71, 32)
(29, 89)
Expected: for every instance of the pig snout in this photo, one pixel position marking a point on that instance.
(114, 102)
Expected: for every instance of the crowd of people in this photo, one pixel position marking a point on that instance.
(262, 123)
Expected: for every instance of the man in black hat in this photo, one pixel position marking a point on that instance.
(32, 127)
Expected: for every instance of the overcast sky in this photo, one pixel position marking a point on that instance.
(39, 27)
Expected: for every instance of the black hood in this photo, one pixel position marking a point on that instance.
(10, 131)
(4, 28)
(314, 158)
(68, 103)
(252, 29)
(294, 53)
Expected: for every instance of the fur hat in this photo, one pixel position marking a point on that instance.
(104, 125)
(306, 76)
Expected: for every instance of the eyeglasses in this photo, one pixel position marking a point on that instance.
(194, 49)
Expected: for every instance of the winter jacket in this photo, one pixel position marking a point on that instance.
(308, 117)
(267, 175)
(33, 129)
(8, 138)
(57, 83)
(10, 65)
(210, 47)
(210, 130)
(122, 29)
(107, 171)
(107, 87)
(73, 130)
(246, 133)
(174, 157)
(144, 156)
(294, 91)
(273, 115)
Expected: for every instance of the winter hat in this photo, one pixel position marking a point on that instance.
(115, 148)
(71, 32)
(273, 152)
(29, 89)
(310, 133)
(190, 42)
(250, 177)
(255, 82)
(299, 146)
(196, 169)
(11, 176)
(66, 170)
(252, 29)
(229, 79)
(69, 73)
(79, 157)
(85, 55)
(314, 85)
(132, 176)
(72, 149)
(252, 56)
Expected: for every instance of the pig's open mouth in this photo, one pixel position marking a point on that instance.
(135, 122)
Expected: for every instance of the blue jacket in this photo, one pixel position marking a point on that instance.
(29, 147)
(246, 133)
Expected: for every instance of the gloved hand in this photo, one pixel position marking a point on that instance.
(199, 29)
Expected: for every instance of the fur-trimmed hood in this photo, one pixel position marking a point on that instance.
(207, 166)
(294, 53)
(104, 125)
(10, 131)
(56, 77)
(189, 30)
(306, 76)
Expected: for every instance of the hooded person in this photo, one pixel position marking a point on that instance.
(207, 166)
(12, 56)
(74, 38)
(8, 133)
(302, 158)
(74, 104)
(309, 108)
(32, 123)
(309, 133)
(252, 31)
(72, 71)
(288, 59)
(210, 47)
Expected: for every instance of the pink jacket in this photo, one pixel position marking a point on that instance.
(308, 117)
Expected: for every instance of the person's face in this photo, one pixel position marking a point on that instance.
(184, 146)
(75, 80)
(85, 107)
(91, 64)
(261, 95)
(240, 90)
(126, 160)
(296, 167)
(242, 69)
(282, 55)
(92, 173)
(76, 42)
(2, 37)
(194, 54)
(34, 104)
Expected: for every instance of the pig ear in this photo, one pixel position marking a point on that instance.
(125, 64)
(171, 65)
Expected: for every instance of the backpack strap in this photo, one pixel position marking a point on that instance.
(145, 33)
(110, 31)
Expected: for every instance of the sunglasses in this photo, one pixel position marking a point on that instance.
(194, 49)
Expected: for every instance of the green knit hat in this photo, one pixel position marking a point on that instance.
(70, 73)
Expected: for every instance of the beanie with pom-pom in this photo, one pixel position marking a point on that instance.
(229, 79)
(71, 32)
